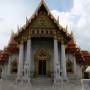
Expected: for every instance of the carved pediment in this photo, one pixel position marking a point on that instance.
(42, 18)
(42, 21)
(42, 24)
(41, 54)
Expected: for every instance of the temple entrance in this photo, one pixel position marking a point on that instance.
(42, 67)
(14, 67)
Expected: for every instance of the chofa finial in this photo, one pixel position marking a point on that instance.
(18, 27)
(58, 19)
(42, 0)
(66, 27)
(26, 20)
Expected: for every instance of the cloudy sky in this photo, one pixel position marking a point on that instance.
(74, 13)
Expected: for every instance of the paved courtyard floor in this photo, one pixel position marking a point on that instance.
(5, 85)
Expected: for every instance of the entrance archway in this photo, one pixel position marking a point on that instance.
(42, 67)
(14, 67)
(42, 63)
(69, 67)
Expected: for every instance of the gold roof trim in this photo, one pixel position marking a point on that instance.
(28, 21)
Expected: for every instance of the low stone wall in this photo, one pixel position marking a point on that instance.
(85, 84)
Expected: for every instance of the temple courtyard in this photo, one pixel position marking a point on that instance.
(9, 85)
(43, 55)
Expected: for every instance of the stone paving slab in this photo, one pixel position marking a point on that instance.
(12, 86)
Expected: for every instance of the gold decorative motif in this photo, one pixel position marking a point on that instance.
(17, 45)
(55, 37)
(62, 42)
(43, 20)
(21, 42)
(42, 54)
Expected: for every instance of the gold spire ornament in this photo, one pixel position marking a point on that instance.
(26, 20)
(58, 19)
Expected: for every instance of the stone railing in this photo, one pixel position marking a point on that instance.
(85, 84)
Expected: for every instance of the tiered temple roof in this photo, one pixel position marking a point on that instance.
(10, 49)
(86, 56)
(83, 57)
(24, 28)
(4, 54)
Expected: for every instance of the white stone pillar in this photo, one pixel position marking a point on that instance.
(63, 62)
(28, 61)
(57, 78)
(4, 72)
(20, 65)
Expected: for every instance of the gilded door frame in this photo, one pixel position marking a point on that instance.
(41, 54)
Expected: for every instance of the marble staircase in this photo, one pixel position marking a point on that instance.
(41, 81)
(8, 85)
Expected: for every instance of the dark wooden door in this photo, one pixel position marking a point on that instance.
(42, 67)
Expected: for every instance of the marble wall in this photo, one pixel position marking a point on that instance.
(85, 84)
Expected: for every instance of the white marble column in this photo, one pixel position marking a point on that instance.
(4, 73)
(57, 78)
(63, 62)
(28, 61)
(20, 64)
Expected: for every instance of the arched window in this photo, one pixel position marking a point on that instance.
(69, 67)
(86, 75)
(14, 67)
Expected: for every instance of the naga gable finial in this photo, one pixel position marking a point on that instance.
(58, 19)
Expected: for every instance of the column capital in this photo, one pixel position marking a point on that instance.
(55, 37)
(29, 37)
(18, 44)
(62, 42)
(30, 34)
(21, 42)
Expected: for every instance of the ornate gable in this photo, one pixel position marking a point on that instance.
(42, 23)
(42, 19)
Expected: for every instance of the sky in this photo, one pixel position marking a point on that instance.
(74, 13)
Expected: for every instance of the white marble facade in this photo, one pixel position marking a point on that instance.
(26, 62)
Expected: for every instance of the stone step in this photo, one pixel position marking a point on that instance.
(41, 81)
(5, 85)
(75, 80)
(11, 77)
